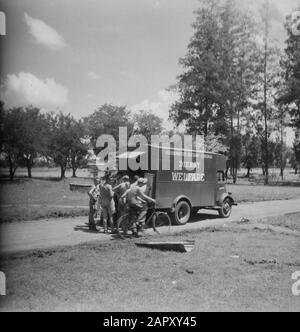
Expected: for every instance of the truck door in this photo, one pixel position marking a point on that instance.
(151, 183)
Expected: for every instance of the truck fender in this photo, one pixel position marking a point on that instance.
(225, 196)
(178, 199)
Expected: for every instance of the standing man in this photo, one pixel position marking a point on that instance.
(107, 203)
(120, 190)
(94, 195)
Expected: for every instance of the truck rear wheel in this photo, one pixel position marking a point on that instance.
(226, 209)
(182, 213)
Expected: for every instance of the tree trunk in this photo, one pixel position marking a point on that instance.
(238, 123)
(235, 177)
(29, 167)
(248, 172)
(29, 171)
(73, 165)
(12, 169)
(235, 171)
(62, 172)
(74, 172)
(11, 172)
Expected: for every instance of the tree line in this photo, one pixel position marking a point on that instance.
(239, 84)
(28, 135)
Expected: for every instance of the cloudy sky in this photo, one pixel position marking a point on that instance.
(75, 55)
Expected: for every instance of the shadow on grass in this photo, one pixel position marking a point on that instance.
(85, 229)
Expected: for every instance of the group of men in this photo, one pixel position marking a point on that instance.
(110, 203)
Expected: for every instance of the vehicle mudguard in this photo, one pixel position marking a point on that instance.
(224, 196)
(178, 199)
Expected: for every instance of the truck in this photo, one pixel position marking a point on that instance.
(183, 193)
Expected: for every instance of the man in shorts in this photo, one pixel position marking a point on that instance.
(107, 203)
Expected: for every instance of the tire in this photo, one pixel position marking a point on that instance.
(123, 226)
(159, 220)
(182, 213)
(226, 209)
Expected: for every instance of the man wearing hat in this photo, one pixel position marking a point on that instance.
(136, 200)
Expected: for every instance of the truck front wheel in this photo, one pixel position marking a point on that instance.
(226, 208)
(182, 213)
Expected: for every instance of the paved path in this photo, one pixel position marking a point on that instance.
(42, 234)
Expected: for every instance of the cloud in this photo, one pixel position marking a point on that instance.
(160, 106)
(44, 34)
(26, 89)
(93, 76)
(129, 75)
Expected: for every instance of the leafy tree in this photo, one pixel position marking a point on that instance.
(215, 144)
(219, 74)
(106, 120)
(281, 153)
(282, 119)
(60, 139)
(267, 74)
(289, 92)
(34, 135)
(78, 148)
(147, 124)
(199, 85)
(291, 65)
(11, 137)
(297, 150)
(293, 162)
(251, 152)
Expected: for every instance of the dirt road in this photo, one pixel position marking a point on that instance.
(42, 234)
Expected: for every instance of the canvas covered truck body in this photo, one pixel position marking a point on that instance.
(184, 191)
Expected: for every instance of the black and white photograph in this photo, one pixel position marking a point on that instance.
(149, 158)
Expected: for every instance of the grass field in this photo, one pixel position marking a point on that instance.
(231, 269)
(25, 199)
(258, 193)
